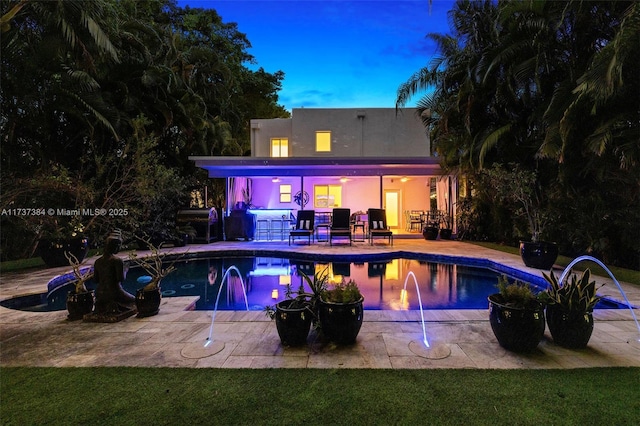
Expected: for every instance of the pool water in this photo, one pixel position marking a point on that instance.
(441, 285)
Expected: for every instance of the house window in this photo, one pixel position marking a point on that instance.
(285, 193)
(280, 147)
(323, 141)
(327, 196)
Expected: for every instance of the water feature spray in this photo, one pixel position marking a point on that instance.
(579, 259)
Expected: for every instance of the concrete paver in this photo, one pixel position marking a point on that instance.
(458, 338)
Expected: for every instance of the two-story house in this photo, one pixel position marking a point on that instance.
(355, 158)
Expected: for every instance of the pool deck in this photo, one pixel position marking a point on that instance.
(388, 339)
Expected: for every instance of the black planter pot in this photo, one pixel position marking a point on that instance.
(52, 250)
(341, 322)
(517, 329)
(148, 302)
(430, 233)
(293, 324)
(539, 255)
(79, 304)
(569, 329)
(445, 233)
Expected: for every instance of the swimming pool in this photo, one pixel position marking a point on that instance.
(444, 283)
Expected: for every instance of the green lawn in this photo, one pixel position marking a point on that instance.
(621, 274)
(173, 396)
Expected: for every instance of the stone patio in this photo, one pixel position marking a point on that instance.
(388, 339)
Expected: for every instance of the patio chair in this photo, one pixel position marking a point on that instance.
(304, 226)
(415, 221)
(340, 225)
(378, 225)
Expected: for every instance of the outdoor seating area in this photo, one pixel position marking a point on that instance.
(338, 225)
(417, 220)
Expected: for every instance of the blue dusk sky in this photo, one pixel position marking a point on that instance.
(337, 53)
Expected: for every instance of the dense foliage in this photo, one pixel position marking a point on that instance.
(101, 104)
(552, 86)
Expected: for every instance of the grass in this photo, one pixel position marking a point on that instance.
(168, 396)
(30, 263)
(626, 275)
(21, 264)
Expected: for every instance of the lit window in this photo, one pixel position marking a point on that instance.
(327, 196)
(285, 193)
(280, 147)
(323, 141)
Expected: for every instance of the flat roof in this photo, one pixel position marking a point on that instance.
(317, 166)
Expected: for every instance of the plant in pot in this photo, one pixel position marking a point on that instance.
(79, 300)
(340, 311)
(520, 188)
(516, 316)
(184, 234)
(445, 227)
(148, 298)
(294, 315)
(569, 309)
(431, 227)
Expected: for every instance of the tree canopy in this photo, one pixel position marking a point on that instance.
(98, 96)
(554, 87)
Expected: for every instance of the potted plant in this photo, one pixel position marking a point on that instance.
(184, 234)
(569, 309)
(520, 188)
(340, 311)
(516, 316)
(79, 300)
(446, 230)
(148, 298)
(431, 227)
(295, 314)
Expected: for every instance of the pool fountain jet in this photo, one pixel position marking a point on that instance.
(424, 349)
(567, 270)
(197, 350)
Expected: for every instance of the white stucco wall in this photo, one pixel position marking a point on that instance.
(355, 132)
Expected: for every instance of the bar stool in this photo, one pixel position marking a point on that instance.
(287, 224)
(263, 228)
(276, 227)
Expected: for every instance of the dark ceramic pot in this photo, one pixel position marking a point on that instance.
(539, 255)
(341, 322)
(148, 302)
(52, 250)
(445, 233)
(517, 329)
(569, 329)
(79, 304)
(430, 233)
(293, 324)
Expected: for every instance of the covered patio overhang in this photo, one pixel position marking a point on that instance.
(308, 170)
(224, 167)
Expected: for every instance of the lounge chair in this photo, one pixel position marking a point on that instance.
(378, 225)
(304, 226)
(340, 225)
